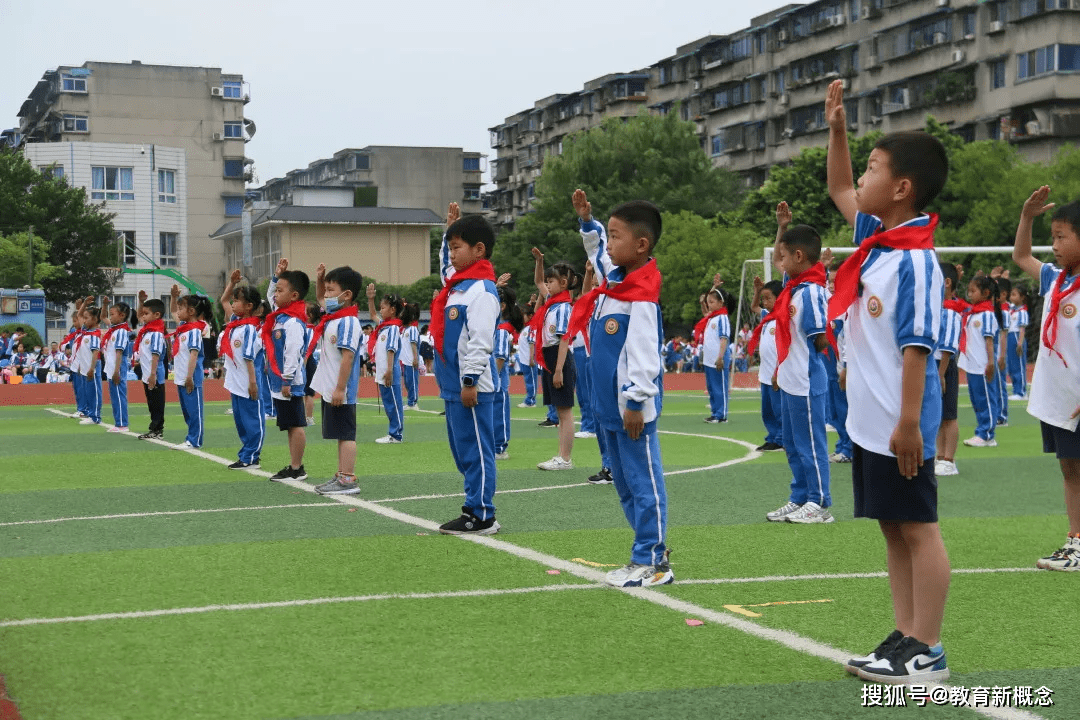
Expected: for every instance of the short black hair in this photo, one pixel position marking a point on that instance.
(298, 281)
(643, 218)
(1004, 285)
(775, 287)
(1068, 213)
(920, 157)
(805, 238)
(249, 294)
(949, 272)
(473, 230)
(155, 306)
(564, 270)
(347, 279)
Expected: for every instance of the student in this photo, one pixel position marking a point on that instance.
(314, 314)
(892, 290)
(525, 354)
(283, 333)
(261, 312)
(116, 353)
(1002, 311)
(801, 335)
(337, 338)
(5, 344)
(505, 336)
(1054, 398)
(241, 354)
(150, 349)
(87, 354)
(188, 361)
(582, 389)
(78, 372)
(427, 349)
(625, 336)
(976, 359)
(464, 316)
(410, 354)
(384, 345)
(1016, 349)
(772, 414)
(555, 283)
(715, 339)
(953, 310)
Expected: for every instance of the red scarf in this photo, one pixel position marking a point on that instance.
(351, 311)
(510, 329)
(1057, 294)
(781, 313)
(85, 334)
(699, 328)
(296, 309)
(641, 285)
(904, 237)
(109, 333)
(984, 306)
(194, 325)
(152, 326)
(374, 337)
(479, 270)
(537, 323)
(70, 336)
(226, 343)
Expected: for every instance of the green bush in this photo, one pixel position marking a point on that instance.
(32, 338)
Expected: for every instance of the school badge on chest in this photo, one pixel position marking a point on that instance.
(551, 329)
(772, 331)
(1068, 311)
(236, 343)
(791, 311)
(874, 306)
(332, 339)
(977, 324)
(611, 326)
(452, 313)
(278, 334)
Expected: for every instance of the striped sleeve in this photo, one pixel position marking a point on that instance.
(193, 340)
(989, 324)
(723, 328)
(348, 334)
(95, 342)
(594, 237)
(1047, 277)
(157, 344)
(502, 344)
(865, 226)
(1023, 318)
(950, 331)
(249, 348)
(121, 341)
(813, 308)
(393, 339)
(918, 301)
(446, 268)
(560, 317)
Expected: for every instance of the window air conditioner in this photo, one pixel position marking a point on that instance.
(784, 99)
(782, 36)
(216, 92)
(997, 26)
(957, 56)
(218, 137)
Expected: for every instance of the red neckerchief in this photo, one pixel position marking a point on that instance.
(152, 326)
(781, 313)
(699, 328)
(1057, 294)
(351, 311)
(85, 334)
(70, 336)
(226, 345)
(193, 325)
(904, 237)
(641, 285)
(296, 309)
(479, 270)
(956, 305)
(374, 337)
(510, 329)
(984, 306)
(1006, 307)
(109, 333)
(537, 323)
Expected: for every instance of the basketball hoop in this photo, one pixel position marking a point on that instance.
(112, 274)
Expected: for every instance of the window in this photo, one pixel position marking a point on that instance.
(362, 162)
(997, 74)
(999, 11)
(761, 44)
(166, 185)
(72, 83)
(928, 34)
(234, 206)
(778, 82)
(532, 190)
(762, 89)
(741, 48)
(665, 75)
(167, 249)
(718, 143)
(853, 13)
(472, 193)
(76, 123)
(61, 321)
(232, 89)
(234, 169)
(1068, 59)
(1040, 61)
(471, 163)
(854, 59)
(111, 183)
(969, 24)
(128, 237)
(1028, 8)
(56, 172)
(234, 130)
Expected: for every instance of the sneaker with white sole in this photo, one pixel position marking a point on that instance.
(241, 465)
(186, 445)
(525, 405)
(469, 524)
(584, 434)
(338, 486)
(854, 664)
(502, 456)
(782, 512)
(636, 575)
(388, 440)
(810, 514)
(601, 478)
(117, 429)
(909, 662)
(943, 468)
(310, 421)
(1016, 398)
(976, 441)
(556, 463)
(150, 436)
(89, 421)
(839, 458)
(289, 473)
(1066, 559)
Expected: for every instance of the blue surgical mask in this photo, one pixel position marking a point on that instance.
(333, 304)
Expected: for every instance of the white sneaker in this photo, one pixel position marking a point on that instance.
(523, 405)
(641, 576)
(945, 467)
(87, 421)
(228, 411)
(502, 456)
(839, 458)
(1066, 559)
(782, 512)
(810, 514)
(388, 440)
(829, 427)
(117, 429)
(186, 446)
(1017, 398)
(556, 463)
(310, 421)
(976, 441)
(584, 434)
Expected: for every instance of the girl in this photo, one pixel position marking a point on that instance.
(1004, 318)
(384, 346)
(765, 295)
(506, 335)
(550, 323)
(526, 357)
(1016, 347)
(188, 359)
(262, 310)
(581, 373)
(427, 349)
(20, 361)
(410, 352)
(976, 359)
(715, 337)
(314, 315)
(241, 351)
(116, 351)
(87, 354)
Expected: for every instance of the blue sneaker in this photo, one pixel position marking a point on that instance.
(910, 661)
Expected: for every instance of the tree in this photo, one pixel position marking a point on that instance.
(16, 265)
(79, 236)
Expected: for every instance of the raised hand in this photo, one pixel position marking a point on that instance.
(503, 280)
(826, 257)
(783, 214)
(537, 255)
(235, 276)
(582, 206)
(996, 272)
(143, 297)
(371, 291)
(282, 266)
(834, 106)
(759, 284)
(1036, 205)
(453, 213)
(174, 291)
(717, 281)
(320, 272)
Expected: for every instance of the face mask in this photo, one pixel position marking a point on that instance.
(37, 349)
(333, 304)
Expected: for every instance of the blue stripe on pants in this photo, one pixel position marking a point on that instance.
(1001, 387)
(981, 403)
(192, 405)
(119, 401)
(391, 400)
(772, 414)
(1017, 364)
(639, 479)
(552, 415)
(501, 419)
(92, 390)
(601, 440)
(529, 372)
(78, 383)
(807, 448)
(249, 416)
(584, 390)
(472, 433)
(716, 384)
(410, 376)
(265, 396)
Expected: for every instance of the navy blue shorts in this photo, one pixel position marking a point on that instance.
(290, 413)
(564, 396)
(950, 393)
(882, 493)
(1063, 443)
(338, 422)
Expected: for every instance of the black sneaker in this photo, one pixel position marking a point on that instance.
(769, 447)
(469, 524)
(854, 664)
(547, 423)
(150, 436)
(244, 466)
(909, 662)
(601, 478)
(287, 473)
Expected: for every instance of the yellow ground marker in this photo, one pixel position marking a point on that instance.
(590, 563)
(741, 609)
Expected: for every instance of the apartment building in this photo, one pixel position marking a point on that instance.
(1006, 69)
(392, 177)
(176, 133)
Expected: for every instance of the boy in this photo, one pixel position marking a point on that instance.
(150, 349)
(892, 290)
(626, 340)
(463, 319)
(337, 376)
(188, 361)
(772, 411)
(87, 354)
(952, 311)
(283, 334)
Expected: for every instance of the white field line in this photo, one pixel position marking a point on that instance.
(497, 492)
(163, 513)
(293, 603)
(788, 639)
(841, 576)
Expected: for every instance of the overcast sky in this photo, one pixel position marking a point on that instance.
(330, 74)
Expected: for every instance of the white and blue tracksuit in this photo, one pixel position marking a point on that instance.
(191, 403)
(120, 342)
(248, 412)
(984, 400)
(1016, 364)
(92, 386)
(717, 330)
(583, 386)
(528, 366)
(410, 376)
(389, 340)
(838, 404)
(626, 373)
(772, 414)
(501, 411)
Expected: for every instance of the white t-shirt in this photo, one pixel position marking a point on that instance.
(979, 326)
(1055, 386)
(803, 372)
(340, 334)
(409, 337)
(245, 346)
(717, 329)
